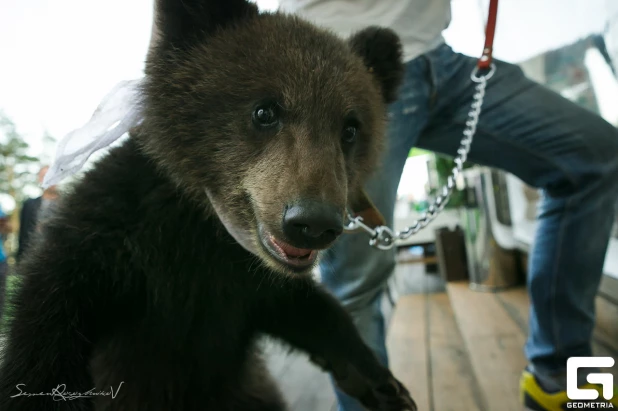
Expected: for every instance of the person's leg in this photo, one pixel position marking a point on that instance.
(569, 152)
(352, 270)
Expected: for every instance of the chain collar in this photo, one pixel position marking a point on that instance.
(384, 238)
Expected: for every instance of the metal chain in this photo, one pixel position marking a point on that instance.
(383, 237)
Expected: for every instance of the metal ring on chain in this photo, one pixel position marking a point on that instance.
(475, 77)
(383, 237)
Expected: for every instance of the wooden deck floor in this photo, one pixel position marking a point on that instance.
(456, 350)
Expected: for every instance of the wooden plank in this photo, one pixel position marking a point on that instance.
(453, 382)
(494, 342)
(407, 347)
(417, 260)
(609, 288)
(414, 279)
(517, 305)
(606, 327)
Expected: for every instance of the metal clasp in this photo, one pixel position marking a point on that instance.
(354, 223)
(385, 238)
(381, 237)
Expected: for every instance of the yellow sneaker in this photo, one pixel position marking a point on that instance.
(534, 398)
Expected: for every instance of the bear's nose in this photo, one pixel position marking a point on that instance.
(312, 224)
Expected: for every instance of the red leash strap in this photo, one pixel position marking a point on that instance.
(486, 57)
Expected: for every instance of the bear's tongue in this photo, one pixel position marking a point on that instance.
(291, 251)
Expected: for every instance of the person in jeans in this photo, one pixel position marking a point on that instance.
(524, 129)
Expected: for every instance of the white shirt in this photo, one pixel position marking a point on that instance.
(419, 23)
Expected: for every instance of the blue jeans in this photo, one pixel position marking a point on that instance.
(531, 132)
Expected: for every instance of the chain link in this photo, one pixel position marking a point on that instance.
(383, 237)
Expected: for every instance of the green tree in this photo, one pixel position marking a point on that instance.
(15, 168)
(15, 162)
(443, 166)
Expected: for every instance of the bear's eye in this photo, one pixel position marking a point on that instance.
(350, 131)
(265, 116)
(349, 134)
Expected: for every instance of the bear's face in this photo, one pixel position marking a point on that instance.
(269, 120)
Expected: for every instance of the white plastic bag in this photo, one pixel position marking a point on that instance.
(118, 112)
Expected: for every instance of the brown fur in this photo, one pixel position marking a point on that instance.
(137, 282)
(316, 80)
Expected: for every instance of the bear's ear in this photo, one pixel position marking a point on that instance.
(182, 23)
(381, 51)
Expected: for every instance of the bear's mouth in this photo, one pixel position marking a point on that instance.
(294, 258)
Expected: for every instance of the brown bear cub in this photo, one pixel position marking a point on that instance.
(171, 257)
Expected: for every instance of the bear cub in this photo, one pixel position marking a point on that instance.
(162, 267)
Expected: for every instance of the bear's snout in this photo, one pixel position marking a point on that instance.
(312, 224)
